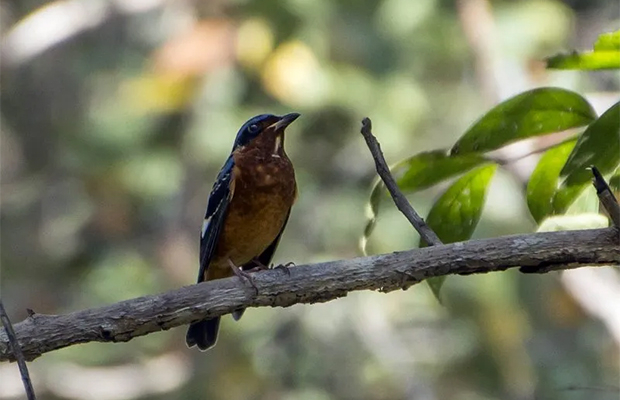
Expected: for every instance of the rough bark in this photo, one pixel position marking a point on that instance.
(120, 322)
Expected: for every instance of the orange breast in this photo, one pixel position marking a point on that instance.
(263, 193)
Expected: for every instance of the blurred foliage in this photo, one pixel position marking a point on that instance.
(117, 115)
(606, 55)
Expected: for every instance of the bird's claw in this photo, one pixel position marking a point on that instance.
(243, 275)
(285, 267)
(259, 266)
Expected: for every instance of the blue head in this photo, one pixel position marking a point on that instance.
(255, 126)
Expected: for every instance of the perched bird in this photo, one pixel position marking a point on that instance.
(247, 211)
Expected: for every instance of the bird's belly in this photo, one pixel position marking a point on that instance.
(257, 231)
(253, 222)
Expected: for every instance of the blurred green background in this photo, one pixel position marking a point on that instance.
(117, 114)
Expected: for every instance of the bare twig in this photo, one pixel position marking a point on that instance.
(606, 196)
(121, 322)
(17, 352)
(426, 233)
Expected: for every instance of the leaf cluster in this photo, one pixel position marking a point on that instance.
(557, 181)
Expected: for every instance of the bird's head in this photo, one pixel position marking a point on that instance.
(270, 128)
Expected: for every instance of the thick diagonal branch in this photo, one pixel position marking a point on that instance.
(123, 321)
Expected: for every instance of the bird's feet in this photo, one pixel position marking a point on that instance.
(285, 267)
(259, 266)
(262, 267)
(243, 275)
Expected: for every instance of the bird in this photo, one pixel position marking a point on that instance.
(247, 211)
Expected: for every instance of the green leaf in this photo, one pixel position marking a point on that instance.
(543, 182)
(565, 196)
(608, 41)
(426, 169)
(614, 182)
(456, 213)
(587, 61)
(416, 173)
(598, 145)
(435, 283)
(606, 55)
(533, 113)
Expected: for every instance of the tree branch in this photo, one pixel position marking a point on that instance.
(426, 233)
(606, 196)
(17, 352)
(323, 282)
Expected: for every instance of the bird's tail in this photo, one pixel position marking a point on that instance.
(237, 314)
(203, 334)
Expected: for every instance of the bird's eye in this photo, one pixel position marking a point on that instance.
(253, 128)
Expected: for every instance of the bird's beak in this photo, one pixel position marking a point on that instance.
(284, 121)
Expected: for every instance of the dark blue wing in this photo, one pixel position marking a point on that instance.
(214, 217)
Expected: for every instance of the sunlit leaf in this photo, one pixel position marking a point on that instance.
(456, 213)
(591, 60)
(416, 173)
(608, 41)
(598, 145)
(426, 169)
(606, 55)
(544, 180)
(536, 112)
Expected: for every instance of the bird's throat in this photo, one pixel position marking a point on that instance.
(278, 143)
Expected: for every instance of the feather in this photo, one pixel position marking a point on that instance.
(219, 199)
